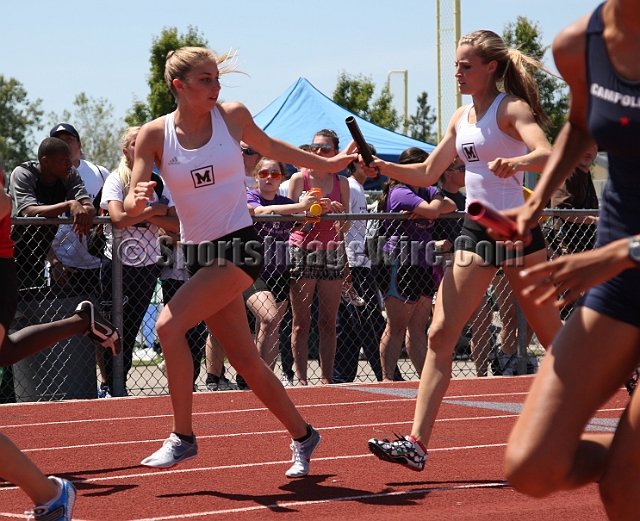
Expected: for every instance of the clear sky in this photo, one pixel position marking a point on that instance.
(59, 49)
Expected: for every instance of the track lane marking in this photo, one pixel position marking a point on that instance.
(167, 472)
(262, 433)
(240, 411)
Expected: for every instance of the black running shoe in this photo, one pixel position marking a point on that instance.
(100, 330)
(405, 451)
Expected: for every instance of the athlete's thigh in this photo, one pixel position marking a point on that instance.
(204, 294)
(591, 357)
(461, 290)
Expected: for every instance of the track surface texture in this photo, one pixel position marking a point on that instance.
(244, 453)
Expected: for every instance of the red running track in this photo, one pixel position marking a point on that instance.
(244, 452)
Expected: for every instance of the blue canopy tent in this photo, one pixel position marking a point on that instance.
(302, 110)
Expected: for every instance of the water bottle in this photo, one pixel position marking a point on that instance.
(315, 210)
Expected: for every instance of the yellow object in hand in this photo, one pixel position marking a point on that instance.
(315, 209)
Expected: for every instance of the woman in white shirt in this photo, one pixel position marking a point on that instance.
(138, 250)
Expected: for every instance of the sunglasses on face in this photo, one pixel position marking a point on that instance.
(274, 174)
(461, 168)
(248, 151)
(315, 147)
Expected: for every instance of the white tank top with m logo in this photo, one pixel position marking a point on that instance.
(480, 143)
(206, 184)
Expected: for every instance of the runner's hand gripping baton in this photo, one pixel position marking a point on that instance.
(357, 136)
(490, 218)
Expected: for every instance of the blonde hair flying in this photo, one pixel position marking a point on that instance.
(514, 69)
(181, 61)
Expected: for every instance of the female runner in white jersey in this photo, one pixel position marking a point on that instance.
(498, 136)
(197, 149)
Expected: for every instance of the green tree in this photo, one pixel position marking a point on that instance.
(553, 91)
(99, 132)
(19, 119)
(355, 93)
(383, 112)
(421, 126)
(160, 100)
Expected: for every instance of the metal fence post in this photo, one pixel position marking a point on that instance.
(522, 340)
(117, 312)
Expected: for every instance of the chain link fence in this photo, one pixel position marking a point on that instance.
(375, 338)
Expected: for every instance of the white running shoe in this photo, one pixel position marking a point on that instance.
(173, 451)
(302, 453)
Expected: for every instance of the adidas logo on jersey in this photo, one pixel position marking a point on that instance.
(174, 161)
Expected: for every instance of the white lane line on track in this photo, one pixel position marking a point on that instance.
(324, 501)
(170, 472)
(239, 411)
(263, 433)
(195, 414)
(280, 431)
(21, 516)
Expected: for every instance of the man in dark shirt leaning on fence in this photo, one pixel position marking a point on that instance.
(49, 188)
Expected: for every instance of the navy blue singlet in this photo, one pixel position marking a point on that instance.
(614, 122)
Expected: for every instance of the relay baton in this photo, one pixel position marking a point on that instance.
(357, 136)
(490, 218)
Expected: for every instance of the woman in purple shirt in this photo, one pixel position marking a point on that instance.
(268, 297)
(407, 278)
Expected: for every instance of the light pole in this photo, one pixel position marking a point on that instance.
(446, 46)
(405, 73)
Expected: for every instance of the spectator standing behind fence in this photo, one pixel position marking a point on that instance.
(197, 149)
(550, 448)
(358, 326)
(499, 137)
(49, 188)
(250, 157)
(138, 251)
(317, 260)
(268, 297)
(577, 233)
(53, 497)
(407, 278)
(450, 183)
(72, 263)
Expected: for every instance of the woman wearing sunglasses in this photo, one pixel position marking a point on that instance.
(268, 297)
(317, 260)
(197, 149)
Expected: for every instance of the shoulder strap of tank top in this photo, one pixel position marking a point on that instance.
(464, 118)
(305, 177)
(496, 104)
(595, 24)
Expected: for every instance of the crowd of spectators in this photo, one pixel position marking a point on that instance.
(318, 291)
